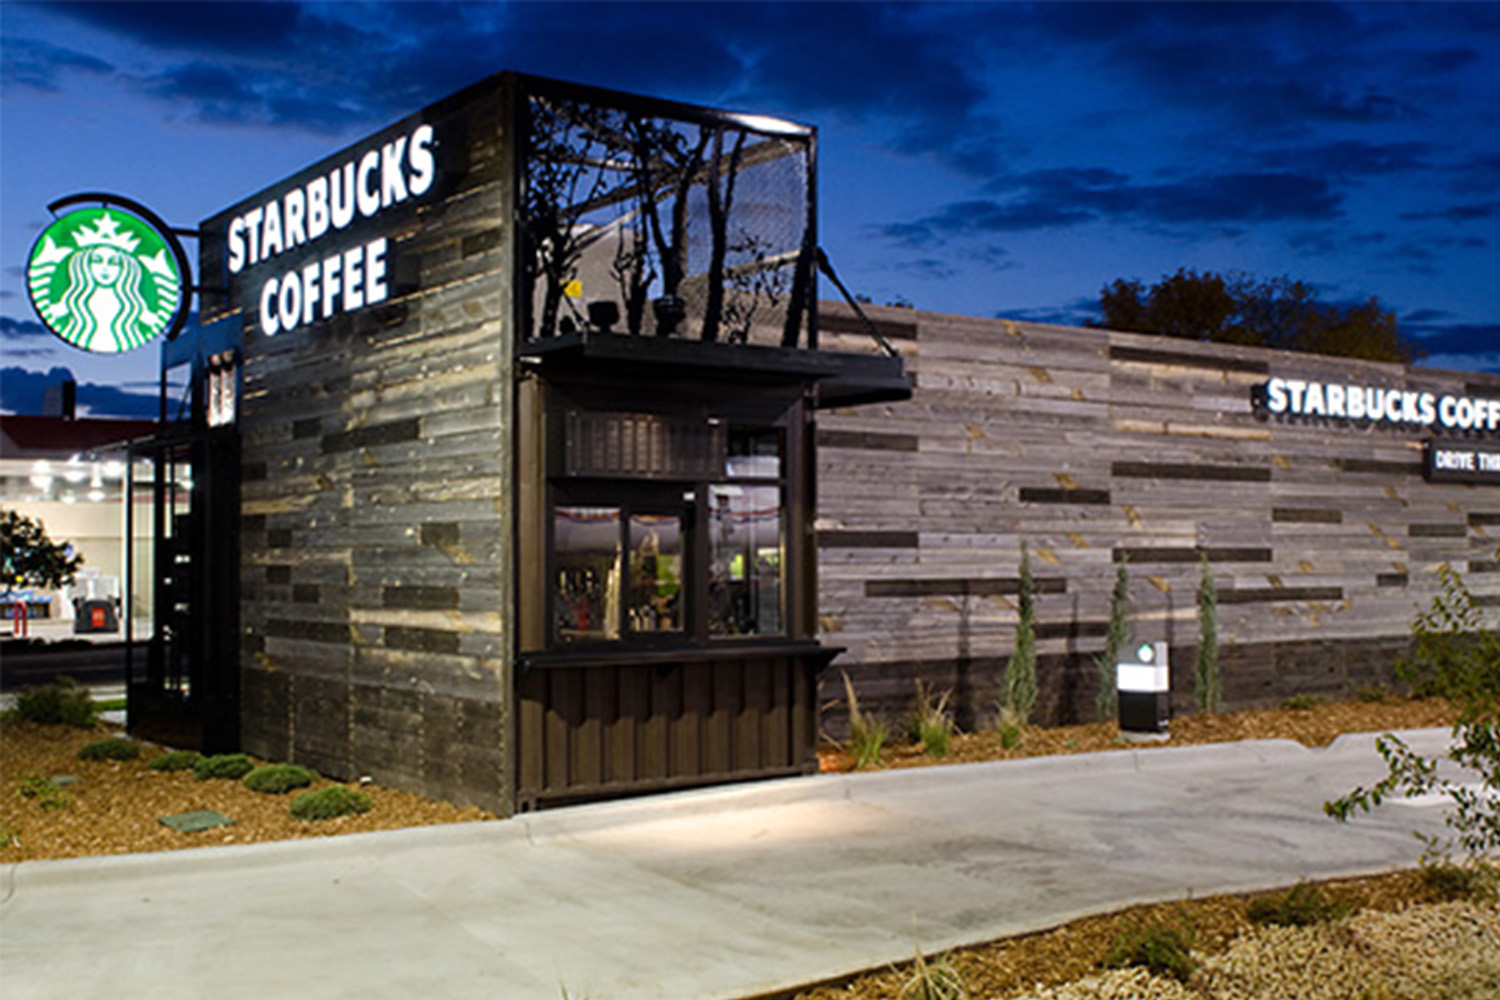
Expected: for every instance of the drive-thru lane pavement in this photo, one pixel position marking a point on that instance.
(723, 893)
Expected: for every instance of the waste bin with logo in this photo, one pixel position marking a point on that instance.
(96, 616)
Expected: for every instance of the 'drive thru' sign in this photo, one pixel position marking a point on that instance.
(1460, 462)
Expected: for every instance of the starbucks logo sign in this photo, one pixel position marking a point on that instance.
(106, 280)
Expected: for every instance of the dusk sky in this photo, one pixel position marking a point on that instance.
(985, 159)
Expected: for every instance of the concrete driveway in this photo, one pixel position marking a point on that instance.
(724, 893)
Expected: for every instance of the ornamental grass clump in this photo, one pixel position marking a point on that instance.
(867, 734)
(331, 802)
(1304, 702)
(931, 723)
(938, 979)
(278, 779)
(113, 748)
(224, 767)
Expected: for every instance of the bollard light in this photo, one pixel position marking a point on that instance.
(1144, 687)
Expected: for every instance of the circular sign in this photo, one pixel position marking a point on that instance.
(105, 280)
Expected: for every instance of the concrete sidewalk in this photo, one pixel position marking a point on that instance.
(725, 893)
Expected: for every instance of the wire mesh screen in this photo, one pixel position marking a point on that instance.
(640, 223)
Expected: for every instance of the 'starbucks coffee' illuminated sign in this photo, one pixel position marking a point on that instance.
(105, 279)
(306, 218)
(1345, 401)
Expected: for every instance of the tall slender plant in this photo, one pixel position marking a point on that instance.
(1020, 670)
(1107, 702)
(1208, 688)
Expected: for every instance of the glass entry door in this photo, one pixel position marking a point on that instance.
(183, 680)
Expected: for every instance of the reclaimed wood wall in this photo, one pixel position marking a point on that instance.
(1323, 537)
(376, 517)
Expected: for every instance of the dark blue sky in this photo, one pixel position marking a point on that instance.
(986, 159)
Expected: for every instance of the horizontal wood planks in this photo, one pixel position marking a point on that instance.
(1088, 445)
(376, 502)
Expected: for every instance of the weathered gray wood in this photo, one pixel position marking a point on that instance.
(1323, 536)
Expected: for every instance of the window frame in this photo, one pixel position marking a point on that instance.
(688, 500)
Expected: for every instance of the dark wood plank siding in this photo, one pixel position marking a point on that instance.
(376, 538)
(1323, 537)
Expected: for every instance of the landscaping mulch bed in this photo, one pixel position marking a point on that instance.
(1316, 725)
(115, 807)
(1061, 962)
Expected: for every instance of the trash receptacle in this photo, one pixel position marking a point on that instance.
(96, 616)
(1144, 688)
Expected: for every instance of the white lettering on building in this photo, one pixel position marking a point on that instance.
(1303, 398)
(347, 278)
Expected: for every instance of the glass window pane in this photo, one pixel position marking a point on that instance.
(754, 453)
(655, 603)
(744, 585)
(586, 547)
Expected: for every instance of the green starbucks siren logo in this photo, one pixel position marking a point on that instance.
(104, 280)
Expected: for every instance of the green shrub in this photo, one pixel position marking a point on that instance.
(113, 748)
(278, 779)
(1020, 670)
(63, 702)
(1304, 702)
(176, 760)
(1478, 881)
(327, 803)
(1452, 652)
(227, 766)
(1159, 948)
(1454, 656)
(1208, 687)
(48, 795)
(1373, 694)
(1302, 905)
(867, 735)
(1107, 700)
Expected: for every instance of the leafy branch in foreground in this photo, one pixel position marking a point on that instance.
(1453, 656)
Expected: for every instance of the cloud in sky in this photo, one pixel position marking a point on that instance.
(1053, 199)
(1045, 148)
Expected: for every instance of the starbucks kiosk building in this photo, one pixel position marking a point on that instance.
(502, 456)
